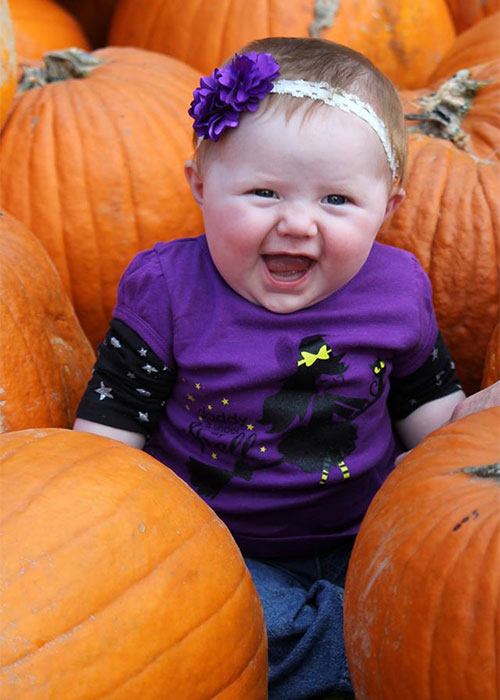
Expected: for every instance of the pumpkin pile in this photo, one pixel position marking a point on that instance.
(103, 595)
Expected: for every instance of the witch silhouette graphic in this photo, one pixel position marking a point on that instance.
(317, 425)
(320, 430)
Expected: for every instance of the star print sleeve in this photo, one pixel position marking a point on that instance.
(424, 370)
(129, 385)
(434, 379)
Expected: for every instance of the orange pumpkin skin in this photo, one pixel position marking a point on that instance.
(43, 25)
(8, 72)
(477, 45)
(491, 372)
(404, 38)
(46, 358)
(423, 583)
(451, 221)
(94, 167)
(467, 14)
(118, 581)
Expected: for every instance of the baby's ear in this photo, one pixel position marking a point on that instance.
(395, 200)
(195, 181)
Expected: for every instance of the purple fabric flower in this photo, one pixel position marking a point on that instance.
(226, 93)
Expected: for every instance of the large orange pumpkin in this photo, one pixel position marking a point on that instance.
(423, 584)
(43, 25)
(8, 72)
(491, 371)
(451, 218)
(466, 14)
(117, 580)
(45, 357)
(477, 45)
(404, 38)
(93, 165)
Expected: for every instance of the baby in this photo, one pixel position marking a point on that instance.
(280, 362)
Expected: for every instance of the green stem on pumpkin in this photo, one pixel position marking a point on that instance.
(444, 110)
(58, 65)
(485, 471)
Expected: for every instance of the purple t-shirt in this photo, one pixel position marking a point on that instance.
(279, 421)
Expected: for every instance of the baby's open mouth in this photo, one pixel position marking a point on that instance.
(287, 267)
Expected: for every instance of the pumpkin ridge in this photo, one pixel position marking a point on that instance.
(124, 591)
(250, 661)
(94, 88)
(42, 105)
(458, 565)
(436, 602)
(63, 470)
(235, 680)
(73, 95)
(147, 39)
(225, 15)
(30, 351)
(178, 641)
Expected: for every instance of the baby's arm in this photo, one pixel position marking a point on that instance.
(126, 436)
(128, 388)
(428, 417)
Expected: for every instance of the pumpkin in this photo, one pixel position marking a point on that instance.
(423, 583)
(93, 164)
(8, 73)
(451, 219)
(404, 38)
(491, 371)
(117, 580)
(466, 14)
(43, 25)
(477, 45)
(46, 358)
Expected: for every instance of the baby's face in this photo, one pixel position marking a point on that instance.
(291, 209)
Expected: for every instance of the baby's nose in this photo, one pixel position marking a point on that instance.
(297, 220)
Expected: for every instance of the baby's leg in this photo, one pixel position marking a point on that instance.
(305, 633)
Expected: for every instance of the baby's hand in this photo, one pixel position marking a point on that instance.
(487, 398)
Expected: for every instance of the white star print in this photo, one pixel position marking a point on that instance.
(115, 342)
(149, 368)
(131, 375)
(104, 392)
(143, 417)
(144, 392)
(143, 352)
(435, 354)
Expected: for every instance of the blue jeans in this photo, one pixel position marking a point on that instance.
(302, 599)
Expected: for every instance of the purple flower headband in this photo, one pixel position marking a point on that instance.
(240, 85)
(237, 87)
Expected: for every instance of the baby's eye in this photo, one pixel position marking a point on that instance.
(335, 199)
(264, 193)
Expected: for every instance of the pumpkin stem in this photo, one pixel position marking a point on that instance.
(58, 65)
(444, 110)
(485, 471)
(325, 13)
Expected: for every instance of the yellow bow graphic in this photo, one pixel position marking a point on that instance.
(309, 358)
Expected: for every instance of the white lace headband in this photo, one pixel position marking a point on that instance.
(345, 101)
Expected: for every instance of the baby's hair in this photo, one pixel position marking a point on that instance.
(343, 68)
